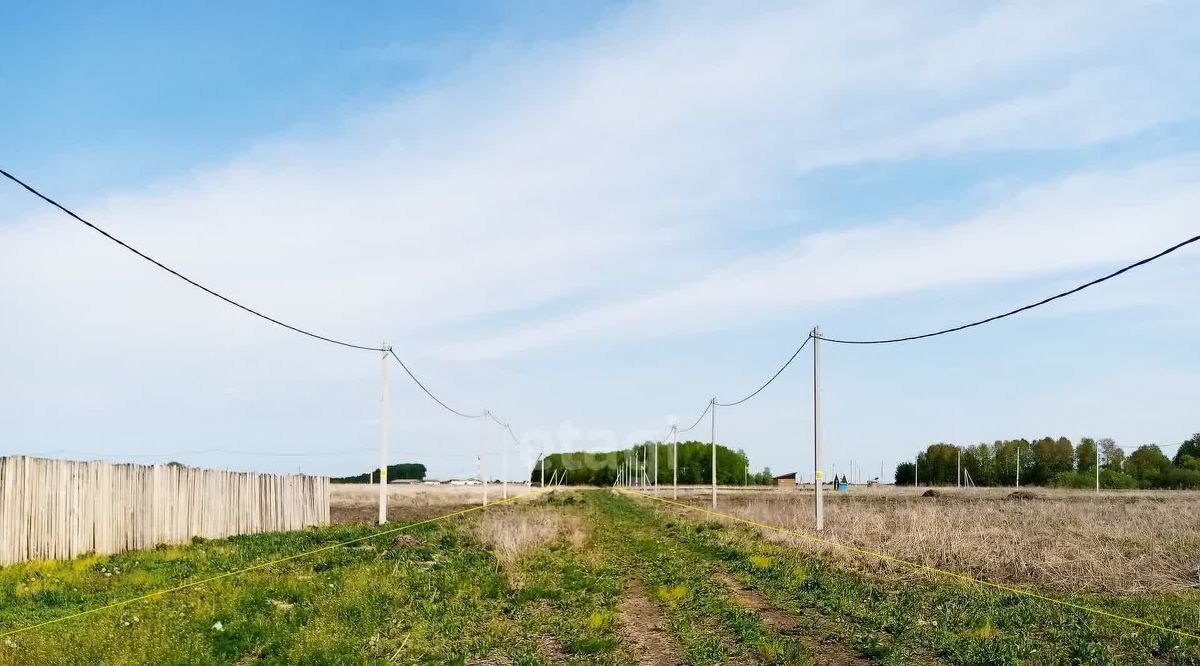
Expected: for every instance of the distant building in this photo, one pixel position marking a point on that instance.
(786, 480)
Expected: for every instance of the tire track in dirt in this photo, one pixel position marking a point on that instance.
(642, 628)
(825, 653)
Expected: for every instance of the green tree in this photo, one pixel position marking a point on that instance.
(1005, 455)
(1114, 456)
(980, 461)
(414, 471)
(1051, 457)
(904, 474)
(1149, 465)
(695, 464)
(1085, 454)
(1190, 447)
(1188, 462)
(939, 464)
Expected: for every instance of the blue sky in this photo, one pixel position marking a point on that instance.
(598, 215)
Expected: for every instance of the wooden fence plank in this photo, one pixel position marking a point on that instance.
(61, 509)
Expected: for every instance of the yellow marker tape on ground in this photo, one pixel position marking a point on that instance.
(263, 565)
(924, 567)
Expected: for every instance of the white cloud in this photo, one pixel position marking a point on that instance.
(1092, 219)
(528, 181)
(607, 170)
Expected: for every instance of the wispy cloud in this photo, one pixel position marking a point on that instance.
(604, 176)
(1085, 220)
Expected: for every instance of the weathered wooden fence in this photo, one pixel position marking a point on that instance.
(58, 509)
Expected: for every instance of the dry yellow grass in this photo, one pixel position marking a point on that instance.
(359, 502)
(1068, 540)
(511, 531)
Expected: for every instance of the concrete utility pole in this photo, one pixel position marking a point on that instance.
(1018, 467)
(543, 461)
(818, 475)
(656, 444)
(1097, 469)
(917, 470)
(482, 478)
(958, 468)
(675, 462)
(384, 399)
(483, 468)
(713, 405)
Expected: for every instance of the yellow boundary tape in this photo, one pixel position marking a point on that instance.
(159, 593)
(924, 567)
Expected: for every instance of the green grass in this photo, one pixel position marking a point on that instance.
(450, 601)
(446, 602)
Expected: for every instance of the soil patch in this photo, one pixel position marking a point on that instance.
(642, 629)
(551, 649)
(825, 653)
(406, 541)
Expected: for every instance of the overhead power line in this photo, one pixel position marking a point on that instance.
(181, 276)
(430, 393)
(1019, 310)
(212, 292)
(714, 403)
(699, 418)
(773, 377)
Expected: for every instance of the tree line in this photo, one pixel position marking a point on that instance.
(397, 471)
(695, 465)
(1057, 462)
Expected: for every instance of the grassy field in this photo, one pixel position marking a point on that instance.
(359, 502)
(1063, 540)
(588, 577)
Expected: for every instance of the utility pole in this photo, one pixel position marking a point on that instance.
(713, 405)
(483, 468)
(479, 461)
(1097, 469)
(675, 461)
(917, 471)
(543, 460)
(656, 444)
(645, 468)
(384, 399)
(1018, 467)
(817, 462)
(958, 468)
